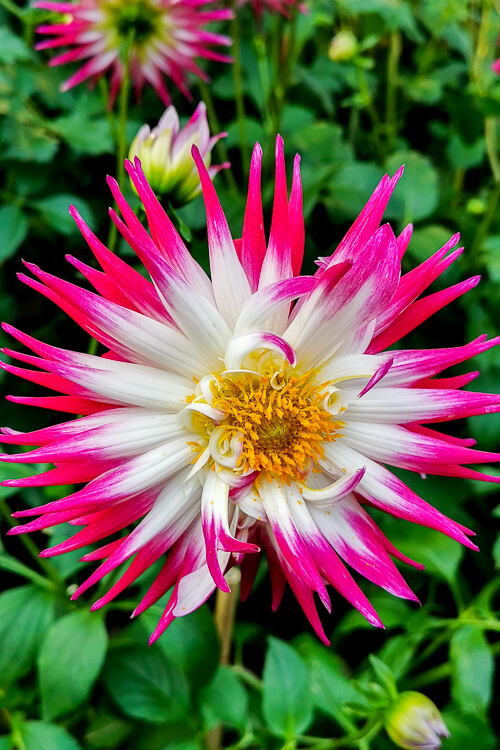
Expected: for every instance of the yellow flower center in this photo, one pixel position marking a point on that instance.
(137, 17)
(279, 419)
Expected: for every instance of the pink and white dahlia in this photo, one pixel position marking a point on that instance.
(165, 37)
(253, 411)
(277, 6)
(165, 154)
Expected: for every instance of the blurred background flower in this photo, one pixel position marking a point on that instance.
(150, 40)
(165, 154)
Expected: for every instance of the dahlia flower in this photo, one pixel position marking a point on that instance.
(253, 411)
(165, 37)
(278, 6)
(165, 154)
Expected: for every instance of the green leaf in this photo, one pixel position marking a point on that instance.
(350, 188)
(40, 735)
(286, 698)
(68, 563)
(384, 675)
(13, 230)
(25, 614)
(417, 194)
(85, 136)
(7, 562)
(12, 47)
(496, 552)
(468, 732)
(440, 554)
(145, 685)
(426, 241)
(28, 141)
(190, 643)
(465, 155)
(491, 256)
(331, 687)
(472, 668)
(5, 743)
(224, 700)
(55, 211)
(69, 662)
(12, 471)
(107, 731)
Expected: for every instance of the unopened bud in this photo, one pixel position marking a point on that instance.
(165, 154)
(414, 722)
(343, 47)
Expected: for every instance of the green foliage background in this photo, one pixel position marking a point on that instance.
(419, 90)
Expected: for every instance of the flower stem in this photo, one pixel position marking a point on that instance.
(371, 726)
(225, 610)
(121, 130)
(395, 49)
(238, 90)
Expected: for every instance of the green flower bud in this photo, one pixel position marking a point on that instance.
(343, 47)
(414, 722)
(165, 154)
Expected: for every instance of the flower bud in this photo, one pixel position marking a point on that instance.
(414, 722)
(165, 154)
(343, 47)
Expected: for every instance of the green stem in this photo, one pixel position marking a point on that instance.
(484, 225)
(238, 90)
(490, 134)
(367, 100)
(395, 49)
(371, 726)
(12, 8)
(32, 548)
(121, 131)
(214, 129)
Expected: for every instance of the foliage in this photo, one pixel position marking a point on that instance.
(417, 89)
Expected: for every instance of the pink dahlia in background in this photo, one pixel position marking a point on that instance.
(252, 411)
(165, 154)
(165, 37)
(278, 6)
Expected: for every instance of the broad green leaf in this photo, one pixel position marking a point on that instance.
(468, 732)
(107, 731)
(417, 191)
(224, 700)
(28, 141)
(190, 643)
(12, 47)
(491, 256)
(5, 743)
(68, 563)
(13, 230)
(25, 614)
(55, 211)
(472, 668)
(12, 471)
(145, 685)
(465, 155)
(69, 662)
(286, 698)
(393, 613)
(350, 188)
(83, 135)
(40, 735)
(440, 554)
(426, 241)
(331, 687)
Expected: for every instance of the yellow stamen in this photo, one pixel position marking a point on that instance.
(281, 430)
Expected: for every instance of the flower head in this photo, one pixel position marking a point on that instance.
(165, 154)
(164, 37)
(414, 722)
(252, 411)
